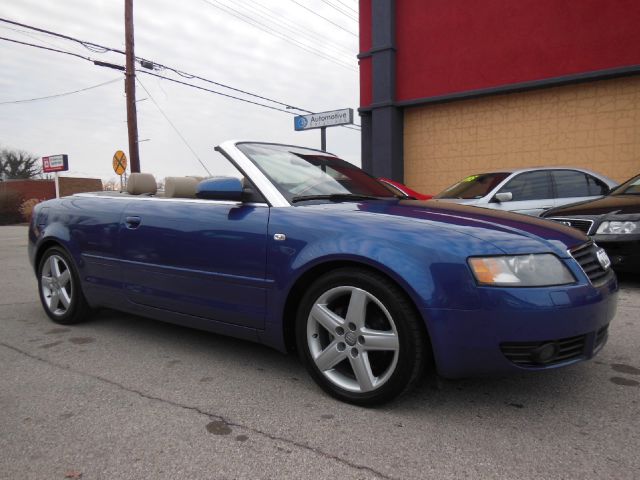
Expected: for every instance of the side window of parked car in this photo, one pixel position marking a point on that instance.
(597, 186)
(570, 183)
(529, 186)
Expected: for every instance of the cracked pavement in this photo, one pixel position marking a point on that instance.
(127, 397)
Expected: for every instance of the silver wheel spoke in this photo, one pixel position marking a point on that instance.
(326, 317)
(379, 340)
(329, 357)
(55, 268)
(56, 286)
(362, 370)
(54, 300)
(357, 307)
(65, 298)
(342, 311)
(64, 278)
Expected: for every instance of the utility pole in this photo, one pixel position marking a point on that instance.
(130, 87)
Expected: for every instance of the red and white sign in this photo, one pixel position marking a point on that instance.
(55, 163)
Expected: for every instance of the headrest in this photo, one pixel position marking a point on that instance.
(180, 187)
(140, 183)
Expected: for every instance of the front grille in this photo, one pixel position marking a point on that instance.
(523, 354)
(580, 224)
(586, 256)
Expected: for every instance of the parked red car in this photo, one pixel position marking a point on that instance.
(399, 188)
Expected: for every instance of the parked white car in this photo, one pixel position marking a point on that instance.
(528, 190)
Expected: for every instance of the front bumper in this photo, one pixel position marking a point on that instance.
(623, 250)
(472, 342)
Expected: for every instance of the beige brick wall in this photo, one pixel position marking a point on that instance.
(593, 125)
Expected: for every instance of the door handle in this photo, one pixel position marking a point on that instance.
(132, 222)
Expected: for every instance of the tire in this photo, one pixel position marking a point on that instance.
(360, 337)
(59, 287)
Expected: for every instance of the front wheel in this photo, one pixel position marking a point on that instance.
(359, 337)
(59, 287)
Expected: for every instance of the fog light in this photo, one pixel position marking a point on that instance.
(545, 353)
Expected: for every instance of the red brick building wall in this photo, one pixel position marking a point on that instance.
(71, 185)
(41, 189)
(14, 192)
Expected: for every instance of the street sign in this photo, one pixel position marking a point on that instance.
(119, 162)
(55, 163)
(323, 119)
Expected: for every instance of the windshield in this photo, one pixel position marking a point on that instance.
(474, 186)
(630, 187)
(301, 173)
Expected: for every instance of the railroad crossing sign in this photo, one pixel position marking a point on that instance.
(119, 162)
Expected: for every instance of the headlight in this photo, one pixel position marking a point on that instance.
(617, 228)
(535, 270)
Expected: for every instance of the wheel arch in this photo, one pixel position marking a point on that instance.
(46, 244)
(310, 275)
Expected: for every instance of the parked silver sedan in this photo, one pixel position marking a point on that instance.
(528, 190)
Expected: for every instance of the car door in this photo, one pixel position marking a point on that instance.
(204, 258)
(574, 186)
(531, 193)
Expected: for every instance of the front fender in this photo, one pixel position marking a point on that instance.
(55, 233)
(430, 268)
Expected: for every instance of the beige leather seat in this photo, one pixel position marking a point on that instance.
(141, 183)
(180, 187)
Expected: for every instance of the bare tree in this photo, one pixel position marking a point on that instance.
(112, 184)
(17, 164)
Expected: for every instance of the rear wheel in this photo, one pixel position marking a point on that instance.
(59, 287)
(360, 337)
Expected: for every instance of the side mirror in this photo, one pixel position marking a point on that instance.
(504, 197)
(220, 188)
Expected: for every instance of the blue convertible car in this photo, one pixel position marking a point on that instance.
(303, 251)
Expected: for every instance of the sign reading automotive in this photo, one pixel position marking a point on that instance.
(323, 119)
(119, 162)
(55, 163)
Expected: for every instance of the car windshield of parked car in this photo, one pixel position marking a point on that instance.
(474, 186)
(630, 187)
(304, 174)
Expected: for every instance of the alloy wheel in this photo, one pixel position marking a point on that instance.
(56, 285)
(352, 339)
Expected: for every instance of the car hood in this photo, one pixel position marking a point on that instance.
(510, 232)
(620, 204)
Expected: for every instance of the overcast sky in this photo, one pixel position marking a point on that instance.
(191, 35)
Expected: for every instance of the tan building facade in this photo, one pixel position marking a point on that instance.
(593, 125)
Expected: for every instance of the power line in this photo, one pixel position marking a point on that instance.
(29, 34)
(46, 48)
(103, 48)
(216, 92)
(337, 9)
(94, 47)
(120, 67)
(155, 75)
(347, 6)
(296, 29)
(174, 127)
(325, 18)
(265, 28)
(57, 95)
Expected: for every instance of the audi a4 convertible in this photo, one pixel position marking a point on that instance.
(304, 252)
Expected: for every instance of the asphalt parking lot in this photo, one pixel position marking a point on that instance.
(126, 397)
